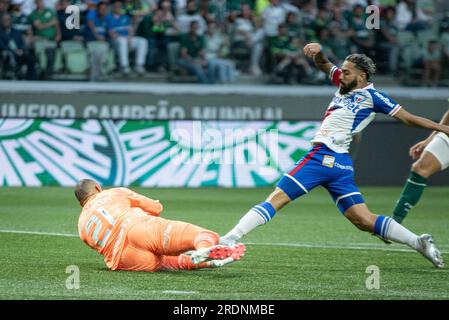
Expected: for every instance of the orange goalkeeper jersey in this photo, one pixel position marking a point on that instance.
(106, 217)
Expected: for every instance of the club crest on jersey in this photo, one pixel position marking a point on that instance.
(358, 99)
(328, 161)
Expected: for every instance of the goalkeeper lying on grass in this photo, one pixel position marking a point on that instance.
(126, 229)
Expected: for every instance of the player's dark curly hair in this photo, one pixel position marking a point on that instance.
(363, 63)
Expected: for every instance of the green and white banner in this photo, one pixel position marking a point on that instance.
(150, 153)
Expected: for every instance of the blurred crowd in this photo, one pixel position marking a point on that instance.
(216, 41)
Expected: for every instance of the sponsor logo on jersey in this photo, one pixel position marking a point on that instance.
(358, 99)
(352, 103)
(384, 99)
(340, 166)
(328, 161)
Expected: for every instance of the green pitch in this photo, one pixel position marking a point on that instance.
(309, 251)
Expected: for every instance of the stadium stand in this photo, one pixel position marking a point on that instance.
(410, 33)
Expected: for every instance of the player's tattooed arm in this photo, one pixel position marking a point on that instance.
(323, 63)
(314, 51)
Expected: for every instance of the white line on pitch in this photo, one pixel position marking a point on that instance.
(361, 246)
(351, 246)
(40, 233)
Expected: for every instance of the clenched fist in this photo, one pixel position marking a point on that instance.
(312, 49)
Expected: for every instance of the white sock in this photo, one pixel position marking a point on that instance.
(247, 223)
(398, 233)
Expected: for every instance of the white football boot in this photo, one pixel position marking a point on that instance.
(228, 241)
(428, 249)
(220, 263)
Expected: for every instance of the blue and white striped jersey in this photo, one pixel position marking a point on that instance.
(350, 113)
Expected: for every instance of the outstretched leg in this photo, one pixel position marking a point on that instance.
(305, 175)
(389, 229)
(257, 216)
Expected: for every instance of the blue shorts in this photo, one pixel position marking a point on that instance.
(322, 166)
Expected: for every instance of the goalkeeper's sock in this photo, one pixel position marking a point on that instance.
(410, 196)
(258, 215)
(389, 229)
(181, 262)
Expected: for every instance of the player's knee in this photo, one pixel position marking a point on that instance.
(278, 199)
(206, 239)
(421, 168)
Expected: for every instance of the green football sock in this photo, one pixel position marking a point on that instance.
(410, 196)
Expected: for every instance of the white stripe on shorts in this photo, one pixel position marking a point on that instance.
(345, 196)
(297, 182)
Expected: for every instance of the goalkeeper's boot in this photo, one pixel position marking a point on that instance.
(217, 252)
(238, 251)
(427, 248)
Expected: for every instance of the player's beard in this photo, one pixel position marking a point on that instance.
(344, 89)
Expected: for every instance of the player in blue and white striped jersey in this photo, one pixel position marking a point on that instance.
(329, 164)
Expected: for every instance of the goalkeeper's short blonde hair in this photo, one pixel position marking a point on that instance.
(84, 188)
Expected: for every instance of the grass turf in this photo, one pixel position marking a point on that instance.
(309, 251)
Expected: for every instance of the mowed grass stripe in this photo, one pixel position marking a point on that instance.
(338, 246)
(279, 264)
